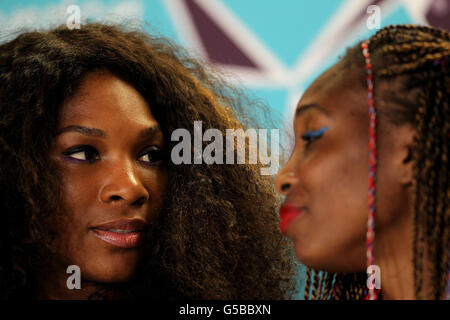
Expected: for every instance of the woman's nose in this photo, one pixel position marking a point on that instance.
(123, 184)
(284, 181)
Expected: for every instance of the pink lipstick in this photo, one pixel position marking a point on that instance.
(123, 233)
(288, 213)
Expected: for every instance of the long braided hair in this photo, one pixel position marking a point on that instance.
(419, 57)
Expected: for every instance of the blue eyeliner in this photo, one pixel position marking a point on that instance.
(310, 136)
(315, 133)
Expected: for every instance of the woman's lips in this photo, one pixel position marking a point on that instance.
(122, 240)
(288, 213)
(123, 233)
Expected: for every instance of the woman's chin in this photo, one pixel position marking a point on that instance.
(110, 272)
(305, 256)
(110, 277)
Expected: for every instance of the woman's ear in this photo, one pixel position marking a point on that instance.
(404, 135)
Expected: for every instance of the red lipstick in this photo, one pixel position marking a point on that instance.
(123, 233)
(288, 213)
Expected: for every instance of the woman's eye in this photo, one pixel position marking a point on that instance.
(152, 156)
(310, 136)
(82, 153)
(308, 139)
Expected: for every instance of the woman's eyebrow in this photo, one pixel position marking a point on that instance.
(149, 132)
(84, 131)
(94, 132)
(301, 109)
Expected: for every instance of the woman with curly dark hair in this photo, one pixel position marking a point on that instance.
(378, 120)
(86, 118)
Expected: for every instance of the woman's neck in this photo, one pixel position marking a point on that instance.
(394, 256)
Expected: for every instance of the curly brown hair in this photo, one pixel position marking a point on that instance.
(217, 235)
(418, 57)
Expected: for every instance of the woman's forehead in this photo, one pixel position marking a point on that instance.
(336, 91)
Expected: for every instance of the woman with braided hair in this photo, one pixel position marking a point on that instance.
(377, 121)
(86, 181)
